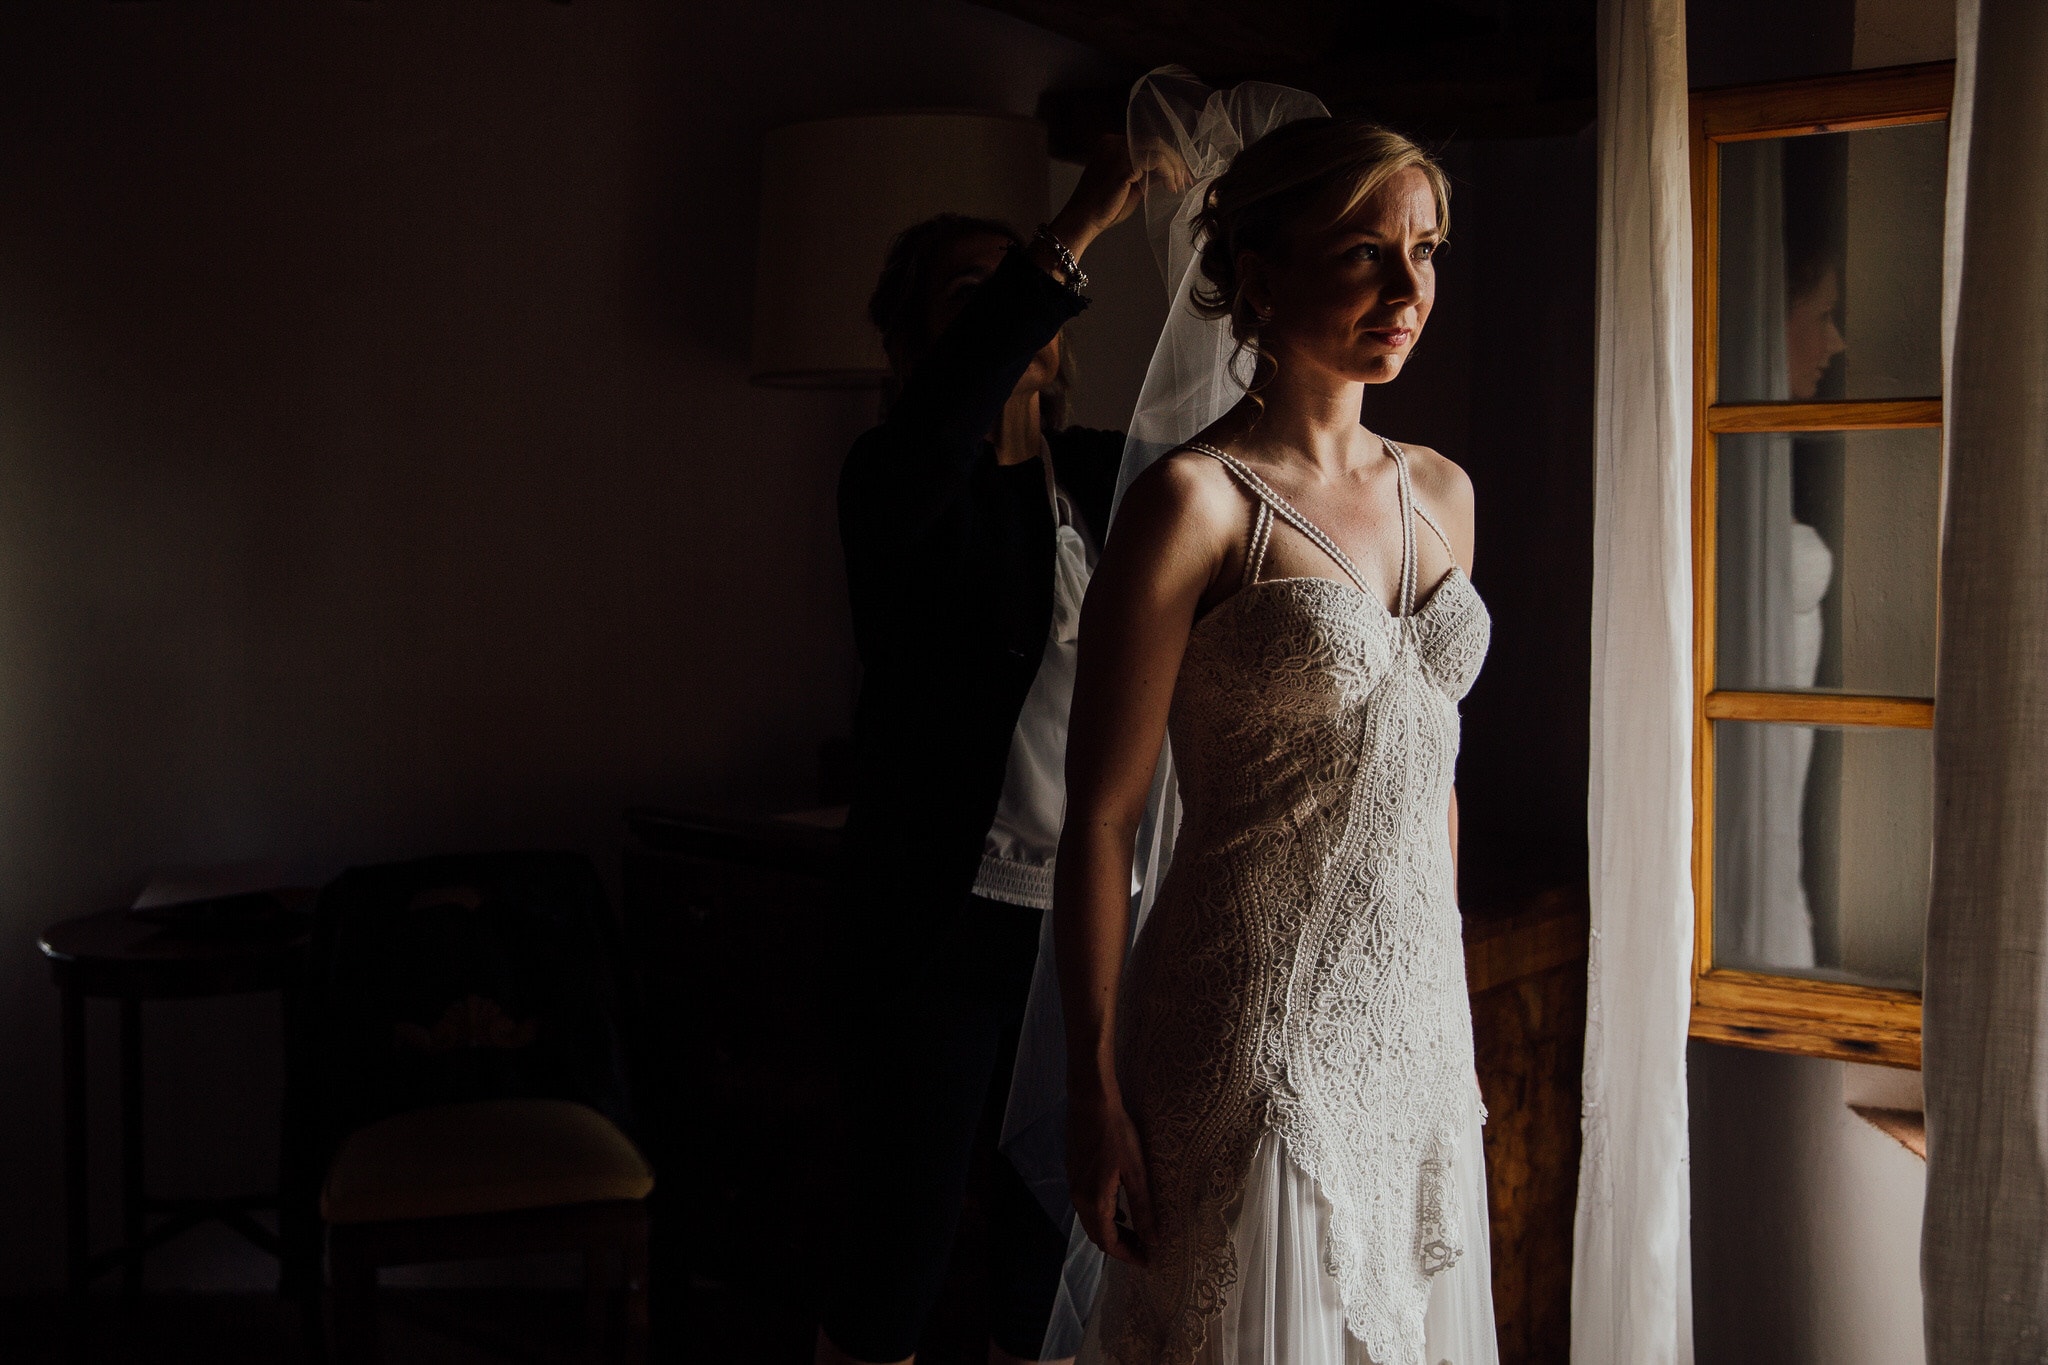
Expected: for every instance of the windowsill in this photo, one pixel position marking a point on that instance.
(1907, 1127)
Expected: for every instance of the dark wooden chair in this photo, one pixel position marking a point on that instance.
(459, 1087)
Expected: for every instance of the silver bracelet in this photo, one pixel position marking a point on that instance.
(1076, 276)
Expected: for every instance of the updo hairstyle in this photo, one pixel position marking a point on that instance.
(1309, 173)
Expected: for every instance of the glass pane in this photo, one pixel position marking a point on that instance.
(1826, 561)
(1823, 839)
(1831, 265)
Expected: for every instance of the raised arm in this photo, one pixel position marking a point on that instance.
(1170, 544)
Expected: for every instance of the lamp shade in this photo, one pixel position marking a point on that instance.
(835, 192)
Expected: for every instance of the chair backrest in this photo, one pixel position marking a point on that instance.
(483, 976)
(474, 976)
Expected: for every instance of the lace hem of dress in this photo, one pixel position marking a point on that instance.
(1384, 1311)
(1385, 1304)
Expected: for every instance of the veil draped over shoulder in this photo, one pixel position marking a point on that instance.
(1183, 134)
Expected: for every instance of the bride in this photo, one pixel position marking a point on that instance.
(1273, 1120)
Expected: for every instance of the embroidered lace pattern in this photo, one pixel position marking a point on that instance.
(1303, 968)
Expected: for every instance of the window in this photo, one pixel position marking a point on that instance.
(1818, 216)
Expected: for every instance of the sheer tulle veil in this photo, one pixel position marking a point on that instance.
(1183, 134)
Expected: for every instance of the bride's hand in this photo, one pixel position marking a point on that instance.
(1104, 1159)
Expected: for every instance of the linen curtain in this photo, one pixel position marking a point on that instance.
(1984, 1248)
(1631, 1273)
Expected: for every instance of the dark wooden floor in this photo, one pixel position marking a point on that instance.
(419, 1327)
(435, 1327)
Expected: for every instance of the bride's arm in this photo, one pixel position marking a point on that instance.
(1171, 541)
(1454, 839)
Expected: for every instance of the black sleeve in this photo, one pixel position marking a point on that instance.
(917, 466)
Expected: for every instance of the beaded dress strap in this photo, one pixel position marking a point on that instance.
(1409, 572)
(1287, 512)
(1261, 537)
(1420, 510)
(1430, 521)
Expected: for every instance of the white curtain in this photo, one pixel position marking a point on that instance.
(1984, 1250)
(1631, 1292)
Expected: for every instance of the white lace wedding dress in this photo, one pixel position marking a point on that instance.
(1294, 1029)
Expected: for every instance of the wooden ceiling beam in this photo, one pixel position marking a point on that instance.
(1478, 68)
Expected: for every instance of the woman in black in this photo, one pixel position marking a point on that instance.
(969, 518)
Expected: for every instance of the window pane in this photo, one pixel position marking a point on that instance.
(1822, 845)
(1831, 265)
(1825, 565)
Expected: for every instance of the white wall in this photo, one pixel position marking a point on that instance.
(1806, 1220)
(378, 473)
(1111, 343)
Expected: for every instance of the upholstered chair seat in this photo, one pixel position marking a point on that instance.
(485, 1156)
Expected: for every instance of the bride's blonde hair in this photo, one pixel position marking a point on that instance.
(1311, 172)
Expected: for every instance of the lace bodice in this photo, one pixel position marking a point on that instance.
(1303, 968)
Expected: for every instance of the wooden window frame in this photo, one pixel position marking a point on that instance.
(1754, 1009)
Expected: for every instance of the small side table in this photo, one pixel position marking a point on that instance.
(114, 955)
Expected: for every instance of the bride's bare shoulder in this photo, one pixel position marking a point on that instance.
(1184, 490)
(1437, 473)
(1445, 491)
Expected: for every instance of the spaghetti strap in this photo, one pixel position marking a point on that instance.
(1411, 509)
(1262, 536)
(1430, 522)
(1280, 507)
(1408, 509)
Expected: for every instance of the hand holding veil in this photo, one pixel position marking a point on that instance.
(1182, 136)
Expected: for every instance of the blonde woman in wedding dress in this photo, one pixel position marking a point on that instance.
(1273, 1120)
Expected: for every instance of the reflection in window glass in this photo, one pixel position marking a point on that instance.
(1826, 562)
(1831, 265)
(1822, 846)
